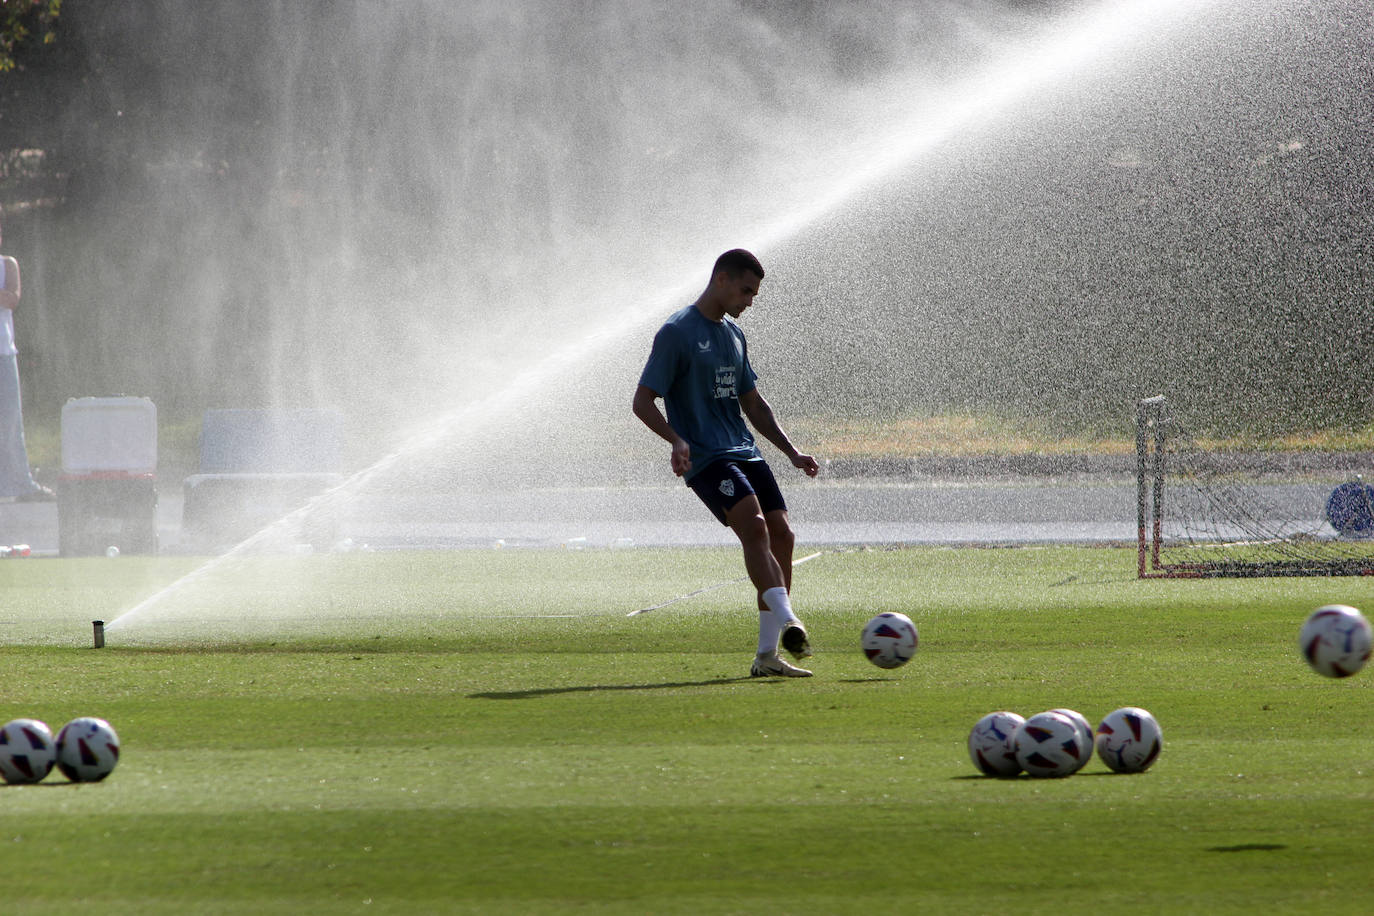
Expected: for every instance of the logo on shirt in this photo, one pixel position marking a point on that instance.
(727, 487)
(725, 382)
(704, 345)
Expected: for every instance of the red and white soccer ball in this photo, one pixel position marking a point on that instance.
(990, 744)
(1049, 744)
(890, 640)
(1335, 640)
(1129, 740)
(87, 749)
(27, 751)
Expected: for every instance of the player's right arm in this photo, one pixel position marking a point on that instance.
(646, 408)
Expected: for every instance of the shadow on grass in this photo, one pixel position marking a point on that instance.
(594, 688)
(1249, 847)
(58, 783)
(1026, 777)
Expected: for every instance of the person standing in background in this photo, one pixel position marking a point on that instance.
(16, 479)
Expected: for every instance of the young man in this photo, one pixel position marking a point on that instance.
(699, 365)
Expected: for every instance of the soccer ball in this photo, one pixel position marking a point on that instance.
(1085, 732)
(1335, 640)
(87, 749)
(1129, 740)
(1048, 744)
(890, 640)
(27, 752)
(989, 744)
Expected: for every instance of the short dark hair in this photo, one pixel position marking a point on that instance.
(737, 261)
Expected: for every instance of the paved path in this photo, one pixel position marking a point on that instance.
(853, 511)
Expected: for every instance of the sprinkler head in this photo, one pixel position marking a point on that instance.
(99, 627)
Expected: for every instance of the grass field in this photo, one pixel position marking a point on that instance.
(487, 732)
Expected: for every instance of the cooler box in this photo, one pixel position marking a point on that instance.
(107, 493)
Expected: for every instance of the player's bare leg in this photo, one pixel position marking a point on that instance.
(781, 542)
(746, 519)
(776, 618)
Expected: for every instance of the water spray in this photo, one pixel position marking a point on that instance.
(903, 132)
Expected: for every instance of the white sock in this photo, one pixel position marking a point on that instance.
(781, 605)
(769, 630)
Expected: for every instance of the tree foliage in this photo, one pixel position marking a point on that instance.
(23, 21)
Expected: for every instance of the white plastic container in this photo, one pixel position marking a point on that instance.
(109, 434)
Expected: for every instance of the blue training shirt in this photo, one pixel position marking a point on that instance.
(700, 368)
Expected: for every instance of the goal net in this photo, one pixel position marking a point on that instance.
(1210, 512)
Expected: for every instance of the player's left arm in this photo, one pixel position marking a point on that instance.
(760, 416)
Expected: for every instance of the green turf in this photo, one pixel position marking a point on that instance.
(487, 732)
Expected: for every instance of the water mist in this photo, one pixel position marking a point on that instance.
(603, 302)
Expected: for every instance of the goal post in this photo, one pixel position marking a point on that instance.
(1149, 455)
(1203, 511)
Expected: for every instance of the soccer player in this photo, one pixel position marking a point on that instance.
(699, 366)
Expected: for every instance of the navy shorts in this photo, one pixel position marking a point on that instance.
(725, 482)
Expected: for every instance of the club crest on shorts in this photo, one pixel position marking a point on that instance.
(727, 487)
